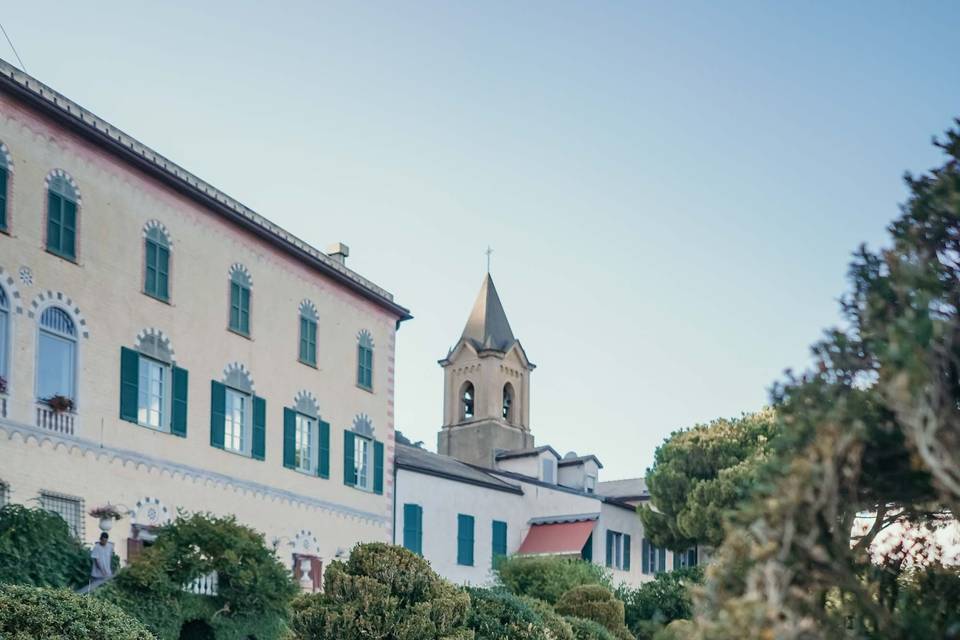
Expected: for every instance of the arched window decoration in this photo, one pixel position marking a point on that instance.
(4, 339)
(62, 200)
(153, 390)
(5, 171)
(57, 355)
(308, 333)
(240, 285)
(508, 402)
(365, 360)
(157, 264)
(466, 401)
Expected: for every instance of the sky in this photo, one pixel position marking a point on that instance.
(672, 191)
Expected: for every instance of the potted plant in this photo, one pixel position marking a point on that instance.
(59, 403)
(106, 514)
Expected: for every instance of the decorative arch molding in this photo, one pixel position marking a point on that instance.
(237, 375)
(240, 273)
(150, 512)
(363, 425)
(304, 542)
(60, 173)
(157, 226)
(28, 434)
(5, 152)
(10, 288)
(154, 343)
(365, 339)
(309, 310)
(46, 299)
(307, 404)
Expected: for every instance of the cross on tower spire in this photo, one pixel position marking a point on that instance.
(489, 252)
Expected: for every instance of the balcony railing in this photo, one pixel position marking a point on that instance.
(203, 585)
(58, 421)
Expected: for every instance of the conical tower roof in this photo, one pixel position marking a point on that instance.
(488, 327)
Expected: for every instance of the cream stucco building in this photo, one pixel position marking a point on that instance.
(163, 347)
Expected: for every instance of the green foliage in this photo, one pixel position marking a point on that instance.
(385, 592)
(36, 548)
(656, 603)
(31, 613)
(496, 614)
(584, 629)
(595, 602)
(547, 577)
(700, 475)
(254, 589)
(558, 627)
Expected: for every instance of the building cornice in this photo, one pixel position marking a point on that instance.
(455, 478)
(11, 428)
(94, 129)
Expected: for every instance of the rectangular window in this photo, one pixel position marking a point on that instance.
(413, 528)
(157, 277)
(465, 540)
(617, 556)
(304, 444)
(654, 558)
(549, 470)
(152, 391)
(590, 484)
(365, 367)
(3, 199)
(235, 420)
(308, 341)
(239, 308)
(67, 507)
(499, 543)
(56, 366)
(361, 462)
(61, 226)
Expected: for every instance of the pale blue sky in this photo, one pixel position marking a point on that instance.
(672, 190)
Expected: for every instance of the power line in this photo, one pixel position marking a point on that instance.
(10, 42)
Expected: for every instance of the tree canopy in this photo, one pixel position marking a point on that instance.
(37, 548)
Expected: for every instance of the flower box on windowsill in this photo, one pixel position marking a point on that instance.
(59, 404)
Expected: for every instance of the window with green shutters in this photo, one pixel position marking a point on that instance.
(465, 525)
(365, 361)
(306, 443)
(308, 340)
(618, 550)
(240, 285)
(4, 182)
(499, 541)
(157, 264)
(413, 528)
(62, 217)
(363, 462)
(238, 421)
(153, 393)
(654, 558)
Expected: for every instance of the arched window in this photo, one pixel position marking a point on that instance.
(157, 264)
(365, 360)
(508, 402)
(5, 169)
(240, 284)
(57, 355)
(466, 401)
(4, 339)
(308, 333)
(62, 217)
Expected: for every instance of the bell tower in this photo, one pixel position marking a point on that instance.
(486, 379)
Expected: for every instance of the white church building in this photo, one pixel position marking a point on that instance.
(491, 491)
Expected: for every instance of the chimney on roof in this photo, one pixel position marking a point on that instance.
(339, 252)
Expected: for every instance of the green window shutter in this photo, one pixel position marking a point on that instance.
(178, 418)
(349, 470)
(378, 467)
(69, 231)
(235, 306)
(626, 552)
(465, 540)
(54, 214)
(609, 548)
(3, 199)
(692, 557)
(258, 449)
(323, 464)
(163, 273)
(413, 528)
(218, 409)
(676, 560)
(245, 310)
(645, 560)
(150, 273)
(303, 339)
(129, 384)
(289, 438)
(499, 543)
(661, 559)
(587, 552)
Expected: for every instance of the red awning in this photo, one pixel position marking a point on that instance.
(558, 538)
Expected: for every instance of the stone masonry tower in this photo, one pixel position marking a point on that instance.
(486, 378)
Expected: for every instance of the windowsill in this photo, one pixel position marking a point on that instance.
(312, 365)
(365, 388)
(306, 472)
(363, 489)
(234, 452)
(237, 332)
(62, 256)
(153, 428)
(165, 301)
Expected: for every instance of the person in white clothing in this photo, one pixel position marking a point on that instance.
(102, 556)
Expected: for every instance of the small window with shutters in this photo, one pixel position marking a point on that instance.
(499, 541)
(156, 272)
(413, 528)
(363, 457)
(62, 206)
(153, 390)
(238, 418)
(6, 169)
(618, 550)
(308, 334)
(465, 539)
(306, 441)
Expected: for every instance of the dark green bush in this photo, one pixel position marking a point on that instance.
(597, 603)
(558, 627)
(385, 592)
(496, 614)
(36, 548)
(584, 629)
(547, 577)
(658, 602)
(31, 613)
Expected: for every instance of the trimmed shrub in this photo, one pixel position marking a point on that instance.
(584, 629)
(496, 614)
(662, 600)
(31, 613)
(37, 549)
(382, 591)
(677, 630)
(547, 577)
(558, 627)
(597, 603)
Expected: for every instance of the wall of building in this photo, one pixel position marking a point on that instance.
(102, 291)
